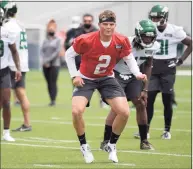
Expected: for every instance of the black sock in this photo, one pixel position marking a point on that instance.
(143, 131)
(5, 128)
(107, 132)
(82, 139)
(168, 110)
(114, 138)
(167, 128)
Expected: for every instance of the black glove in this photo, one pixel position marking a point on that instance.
(179, 62)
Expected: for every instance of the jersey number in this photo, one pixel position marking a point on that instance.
(102, 65)
(1, 48)
(163, 47)
(23, 40)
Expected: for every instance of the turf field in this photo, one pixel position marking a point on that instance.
(53, 142)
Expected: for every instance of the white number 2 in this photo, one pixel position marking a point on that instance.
(102, 65)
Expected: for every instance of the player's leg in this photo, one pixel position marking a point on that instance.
(114, 95)
(16, 101)
(54, 71)
(111, 116)
(168, 81)
(5, 94)
(81, 98)
(133, 93)
(19, 90)
(154, 87)
(174, 102)
(108, 129)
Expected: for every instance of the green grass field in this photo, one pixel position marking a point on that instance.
(53, 143)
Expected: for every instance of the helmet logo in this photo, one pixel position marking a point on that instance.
(139, 27)
(165, 9)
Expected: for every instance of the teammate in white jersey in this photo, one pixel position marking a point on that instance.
(144, 47)
(7, 43)
(164, 63)
(13, 24)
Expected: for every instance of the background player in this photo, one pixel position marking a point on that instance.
(99, 53)
(18, 29)
(7, 42)
(144, 47)
(164, 64)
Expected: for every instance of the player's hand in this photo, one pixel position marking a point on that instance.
(78, 81)
(142, 77)
(179, 62)
(143, 98)
(18, 76)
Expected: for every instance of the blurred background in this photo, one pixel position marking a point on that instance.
(35, 16)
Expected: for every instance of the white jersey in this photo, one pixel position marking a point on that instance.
(169, 39)
(140, 55)
(7, 38)
(21, 44)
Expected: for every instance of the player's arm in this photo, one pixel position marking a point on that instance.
(16, 60)
(131, 62)
(70, 61)
(188, 42)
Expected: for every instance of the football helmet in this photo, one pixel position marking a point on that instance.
(145, 32)
(9, 7)
(159, 15)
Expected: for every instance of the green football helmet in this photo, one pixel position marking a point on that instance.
(159, 15)
(9, 7)
(145, 32)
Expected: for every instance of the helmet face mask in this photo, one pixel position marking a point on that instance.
(145, 32)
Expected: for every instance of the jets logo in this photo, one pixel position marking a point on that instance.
(125, 77)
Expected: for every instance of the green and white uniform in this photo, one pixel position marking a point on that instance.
(163, 74)
(7, 38)
(129, 83)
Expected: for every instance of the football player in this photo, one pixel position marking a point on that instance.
(100, 52)
(144, 47)
(10, 9)
(164, 64)
(7, 42)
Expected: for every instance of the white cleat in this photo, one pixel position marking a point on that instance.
(137, 136)
(166, 135)
(112, 153)
(87, 154)
(7, 137)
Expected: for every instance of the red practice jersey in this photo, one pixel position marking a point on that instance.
(96, 60)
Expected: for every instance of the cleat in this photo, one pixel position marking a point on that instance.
(166, 135)
(87, 154)
(112, 152)
(104, 145)
(23, 128)
(145, 145)
(7, 137)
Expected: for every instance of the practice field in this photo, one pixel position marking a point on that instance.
(52, 143)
